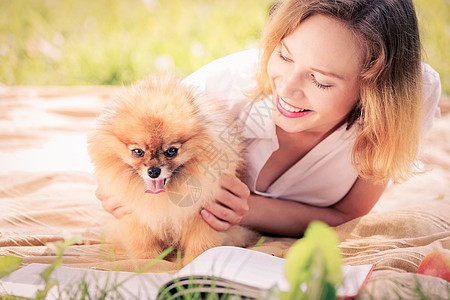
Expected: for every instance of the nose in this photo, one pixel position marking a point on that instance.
(291, 86)
(154, 172)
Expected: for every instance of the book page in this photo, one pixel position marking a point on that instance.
(26, 281)
(242, 265)
(23, 282)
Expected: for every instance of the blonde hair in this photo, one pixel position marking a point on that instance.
(389, 109)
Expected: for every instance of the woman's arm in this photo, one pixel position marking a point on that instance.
(283, 217)
(235, 205)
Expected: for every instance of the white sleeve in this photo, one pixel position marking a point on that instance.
(228, 79)
(431, 92)
(225, 76)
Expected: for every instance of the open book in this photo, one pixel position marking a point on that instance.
(223, 270)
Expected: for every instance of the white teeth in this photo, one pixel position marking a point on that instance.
(290, 108)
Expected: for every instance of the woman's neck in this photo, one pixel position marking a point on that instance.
(312, 138)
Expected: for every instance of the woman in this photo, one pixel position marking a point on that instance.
(341, 106)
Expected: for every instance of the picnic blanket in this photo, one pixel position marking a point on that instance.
(47, 192)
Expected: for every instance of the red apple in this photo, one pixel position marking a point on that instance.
(436, 263)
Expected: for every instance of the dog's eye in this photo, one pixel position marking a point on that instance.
(171, 152)
(138, 153)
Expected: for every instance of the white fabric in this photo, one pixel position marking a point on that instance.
(431, 91)
(324, 175)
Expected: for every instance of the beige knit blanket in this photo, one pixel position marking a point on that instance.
(47, 191)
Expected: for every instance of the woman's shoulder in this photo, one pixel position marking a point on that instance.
(231, 63)
(431, 93)
(228, 75)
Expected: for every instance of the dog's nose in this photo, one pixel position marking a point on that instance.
(154, 172)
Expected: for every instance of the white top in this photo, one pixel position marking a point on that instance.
(325, 174)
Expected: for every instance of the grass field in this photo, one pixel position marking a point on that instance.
(110, 42)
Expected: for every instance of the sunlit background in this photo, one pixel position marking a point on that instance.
(113, 42)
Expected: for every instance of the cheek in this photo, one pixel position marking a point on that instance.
(350, 98)
(133, 162)
(125, 154)
(279, 72)
(336, 103)
(184, 155)
(345, 98)
(346, 105)
(171, 164)
(272, 68)
(138, 165)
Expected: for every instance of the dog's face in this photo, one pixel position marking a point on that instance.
(157, 162)
(156, 133)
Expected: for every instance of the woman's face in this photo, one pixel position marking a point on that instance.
(314, 75)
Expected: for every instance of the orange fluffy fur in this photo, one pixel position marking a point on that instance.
(152, 116)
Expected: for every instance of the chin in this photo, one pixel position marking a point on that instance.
(286, 124)
(160, 148)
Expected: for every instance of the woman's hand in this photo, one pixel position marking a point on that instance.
(230, 206)
(111, 204)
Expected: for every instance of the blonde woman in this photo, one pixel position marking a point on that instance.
(332, 108)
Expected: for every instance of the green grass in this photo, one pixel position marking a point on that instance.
(111, 42)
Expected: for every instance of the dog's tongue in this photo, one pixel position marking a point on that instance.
(155, 186)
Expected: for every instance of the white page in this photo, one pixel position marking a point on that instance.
(26, 281)
(245, 266)
(23, 282)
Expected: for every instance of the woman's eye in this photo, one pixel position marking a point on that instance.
(318, 84)
(138, 153)
(171, 152)
(280, 54)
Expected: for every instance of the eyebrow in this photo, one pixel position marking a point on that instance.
(326, 73)
(329, 74)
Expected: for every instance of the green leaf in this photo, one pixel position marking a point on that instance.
(313, 266)
(9, 264)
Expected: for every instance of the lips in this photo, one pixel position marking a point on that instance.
(155, 186)
(290, 111)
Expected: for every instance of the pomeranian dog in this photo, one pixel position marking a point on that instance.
(161, 148)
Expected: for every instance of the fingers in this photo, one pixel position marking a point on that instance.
(100, 194)
(121, 211)
(235, 186)
(214, 222)
(111, 205)
(230, 206)
(223, 213)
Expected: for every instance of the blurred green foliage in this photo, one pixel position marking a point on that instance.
(81, 42)
(434, 18)
(71, 42)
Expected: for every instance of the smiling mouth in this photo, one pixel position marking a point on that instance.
(290, 111)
